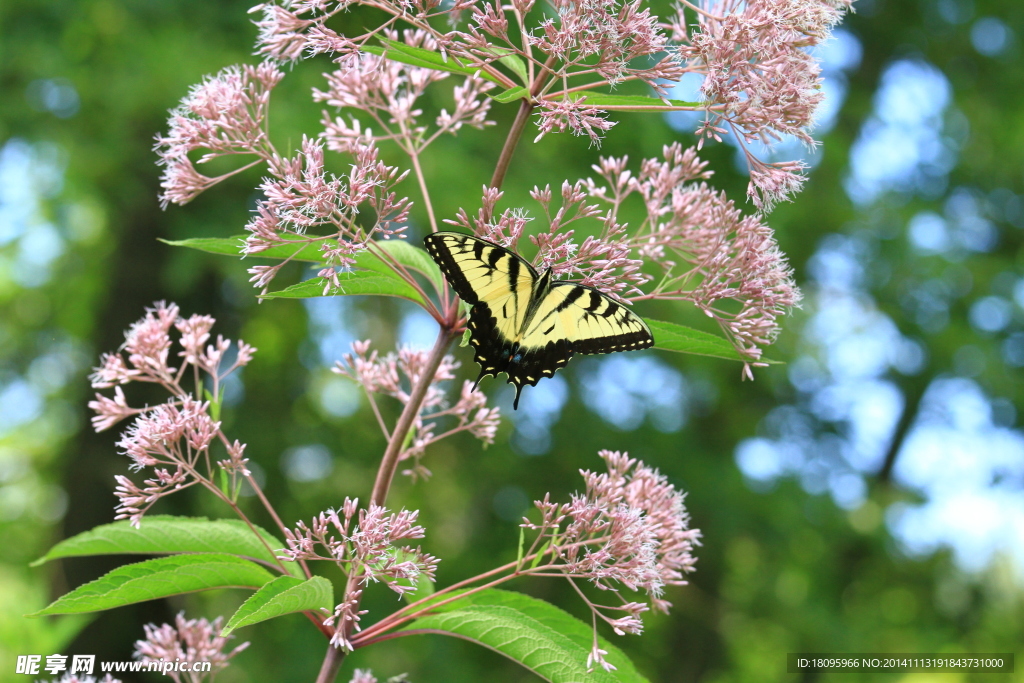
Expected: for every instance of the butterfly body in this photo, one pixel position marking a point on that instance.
(525, 324)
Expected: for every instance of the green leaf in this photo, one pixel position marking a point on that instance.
(428, 59)
(167, 534)
(517, 66)
(160, 578)
(232, 246)
(403, 252)
(511, 95)
(513, 61)
(673, 337)
(465, 338)
(410, 256)
(508, 57)
(363, 282)
(215, 402)
(600, 99)
(352, 283)
(544, 639)
(283, 595)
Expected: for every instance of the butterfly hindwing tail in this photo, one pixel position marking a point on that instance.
(529, 366)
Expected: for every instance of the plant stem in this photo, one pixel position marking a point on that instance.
(266, 504)
(386, 474)
(415, 156)
(414, 609)
(215, 490)
(526, 106)
(389, 463)
(332, 662)
(398, 622)
(516, 132)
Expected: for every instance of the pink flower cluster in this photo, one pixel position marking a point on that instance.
(708, 253)
(389, 92)
(729, 258)
(606, 41)
(147, 347)
(294, 29)
(761, 82)
(395, 374)
(603, 261)
(639, 523)
(605, 35)
(300, 197)
(629, 527)
(574, 115)
(224, 115)
(365, 551)
(304, 204)
(188, 641)
(173, 438)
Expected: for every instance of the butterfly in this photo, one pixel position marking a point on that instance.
(526, 324)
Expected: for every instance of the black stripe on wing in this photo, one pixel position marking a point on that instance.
(631, 341)
(439, 250)
(445, 248)
(590, 303)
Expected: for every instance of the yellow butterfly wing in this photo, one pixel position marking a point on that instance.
(591, 321)
(571, 318)
(486, 276)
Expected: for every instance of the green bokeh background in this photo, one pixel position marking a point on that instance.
(780, 571)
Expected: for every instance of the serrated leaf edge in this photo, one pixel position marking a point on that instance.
(245, 620)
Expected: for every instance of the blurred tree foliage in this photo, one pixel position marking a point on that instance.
(87, 84)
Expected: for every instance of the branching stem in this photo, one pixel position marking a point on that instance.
(386, 474)
(526, 107)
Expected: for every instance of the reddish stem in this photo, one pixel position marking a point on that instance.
(518, 126)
